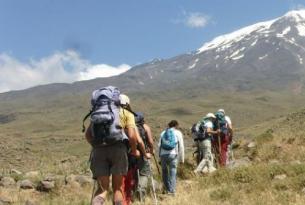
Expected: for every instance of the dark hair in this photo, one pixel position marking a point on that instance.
(173, 123)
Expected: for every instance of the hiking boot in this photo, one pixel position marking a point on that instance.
(205, 170)
(171, 193)
(212, 169)
(98, 200)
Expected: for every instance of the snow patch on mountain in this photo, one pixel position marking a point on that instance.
(228, 39)
(238, 57)
(298, 15)
(194, 64)
(301, 29)
(262, 57)
(285, 31)
(253, 44)
(300, 59)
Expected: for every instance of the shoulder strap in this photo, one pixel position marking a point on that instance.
(85, 118)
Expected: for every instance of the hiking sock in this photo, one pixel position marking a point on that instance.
(118, 203)
(98, 200)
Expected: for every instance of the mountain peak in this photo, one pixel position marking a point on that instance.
(263, 28)
(298, 15)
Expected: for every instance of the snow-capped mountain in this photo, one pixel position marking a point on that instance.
(268, 54)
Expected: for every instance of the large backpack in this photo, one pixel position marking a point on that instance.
(104, 116)
(221, 122)
(201, 133)
(139, 118)
(169, 140)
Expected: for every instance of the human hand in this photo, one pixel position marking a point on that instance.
(136, 153)
(147, 155)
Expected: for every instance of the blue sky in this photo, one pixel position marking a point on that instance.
(116, 34)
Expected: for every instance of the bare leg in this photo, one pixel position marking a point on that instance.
(117, 189)
(101, 193)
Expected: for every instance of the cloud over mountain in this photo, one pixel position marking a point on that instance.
(65, 67)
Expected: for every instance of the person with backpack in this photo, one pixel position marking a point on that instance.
(111, 127)
(130, 180)
(143, 164)
(205, 131)
(171, 150)
(221, 140)
(229, 137)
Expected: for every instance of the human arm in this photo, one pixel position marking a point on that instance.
(212, 132)
(141, 146)
(159, 144)
(180, 146)
(128, 122)
(88, 134)
(149, 137)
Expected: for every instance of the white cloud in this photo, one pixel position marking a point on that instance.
(193, 19)
(64, 67)
(103, 70)
(196, 20)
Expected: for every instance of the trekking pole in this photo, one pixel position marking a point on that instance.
(153, 184)
(93, 191)
(219, 145)
(157, 165)
(139, 189)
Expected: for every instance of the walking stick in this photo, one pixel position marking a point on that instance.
(93, 191)
(139, 189)
(157, 165)
(153, 184)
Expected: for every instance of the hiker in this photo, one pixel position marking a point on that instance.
(221, 140)
(205, 129)
(110, 128)
(130, 179)
(197, 137)
(143, 164)
(229, 137)
(171, 150)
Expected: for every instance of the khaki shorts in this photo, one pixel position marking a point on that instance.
(109, 160)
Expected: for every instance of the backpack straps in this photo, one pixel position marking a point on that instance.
(85, 118)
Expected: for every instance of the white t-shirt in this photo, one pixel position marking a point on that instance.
(179, 150)
(227, 118)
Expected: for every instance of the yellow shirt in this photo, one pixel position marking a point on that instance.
(127, 119)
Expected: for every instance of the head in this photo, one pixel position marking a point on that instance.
(211, 117)
(222, 111)
(124, 100)
(139, 118)
(173, 123)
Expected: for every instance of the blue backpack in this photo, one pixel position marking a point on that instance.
(169, 140)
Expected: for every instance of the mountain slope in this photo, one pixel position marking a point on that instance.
(256, 74)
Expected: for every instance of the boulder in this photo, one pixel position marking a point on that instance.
(5, 201)
(84, 180)
(15, 171)
(274, 161)
(280, 177)
(7, 182)
(59, 180)
(81, 179)
(29, 202)
(26, 184)
(251, 145)
(46, 186)
(240, 163)
(32, 175)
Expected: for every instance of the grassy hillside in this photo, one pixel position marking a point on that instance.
(275, 173)
(45, 130)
